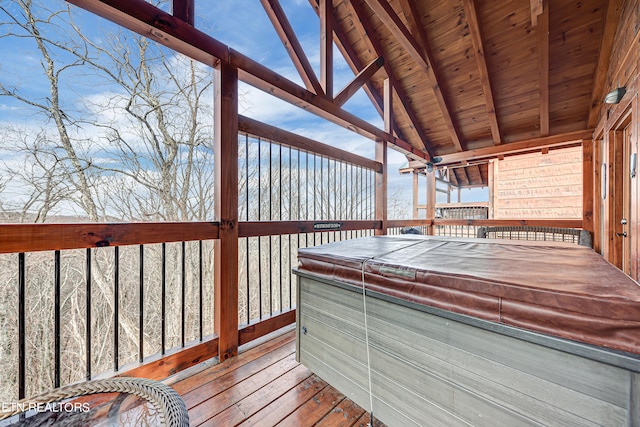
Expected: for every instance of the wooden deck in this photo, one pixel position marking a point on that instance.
(263, 386)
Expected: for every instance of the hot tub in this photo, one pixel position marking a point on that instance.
(472, 331)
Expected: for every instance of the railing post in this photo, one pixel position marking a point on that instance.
(226, 209)
(431, 199)
(588, 185)
(381, 156)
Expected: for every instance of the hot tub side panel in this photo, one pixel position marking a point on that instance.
(431, 370)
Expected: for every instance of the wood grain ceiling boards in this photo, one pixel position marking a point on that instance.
(507, 71)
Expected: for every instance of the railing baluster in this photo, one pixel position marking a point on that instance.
(259, 237)
(200, 288)
(270, 253)
(56, 321)
(248, 291)
(87, 337)
(183, 305)
(163, 314)
(22, 354)
(141, 308)
(116, 302)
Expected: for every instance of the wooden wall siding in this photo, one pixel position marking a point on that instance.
(426, 367)
(624, 57)
(539, 185)
(623, 69)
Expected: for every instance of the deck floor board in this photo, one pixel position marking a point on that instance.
(263, 386)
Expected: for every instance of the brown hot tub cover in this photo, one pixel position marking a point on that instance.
(559, 289)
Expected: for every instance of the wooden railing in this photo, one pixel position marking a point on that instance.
(121, 257)
(148, 298)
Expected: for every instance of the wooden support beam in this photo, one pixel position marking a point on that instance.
(431, 199)
(363, 76)
(588, 190)
(542, 31)
(493, 179)
(184, 10)
(399, 90)
(289, 139)
(226, 209)
(571, 139)
(415, 194)
(352, 60)
(471, 13)
(604, 56)
(292, 45)
(465, 171)
(381, 157)
(326, 47)
(145, 18)
(537, 7)
(420, 54)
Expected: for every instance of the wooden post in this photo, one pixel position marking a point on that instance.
(381, 156)
(431, 199)
(415, 194)
(588, 172)
(325, 9)
(184, 10)
(226, 209)
(492, 184)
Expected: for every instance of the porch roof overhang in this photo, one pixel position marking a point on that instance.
(470, 79)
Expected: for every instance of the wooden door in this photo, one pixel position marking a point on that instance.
(628, 174)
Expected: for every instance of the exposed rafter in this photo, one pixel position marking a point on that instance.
(363, 76)
(149, 20)
(476, 38)
(604, 56)
(543, 68)
(400, 92)
(292, 45)
(563, 140)
(354, 62)
(326, 46)
(421, 55)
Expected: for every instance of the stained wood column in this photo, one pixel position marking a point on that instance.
(415, 194)
(381, 156)
(431, 199)
(588, 185)
(226, 209)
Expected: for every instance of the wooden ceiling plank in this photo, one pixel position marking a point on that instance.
(292, 45)
(543, 68)
(400, 91)
(363, 76)
(150, 21)
(604, 56)
(420, 54)
(561, 140)
(184, 10)
(326, 46)
(476, 38)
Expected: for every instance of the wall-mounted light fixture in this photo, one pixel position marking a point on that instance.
(433, 161)
(615, 96)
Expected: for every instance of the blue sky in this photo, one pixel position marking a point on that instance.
(244, 26)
